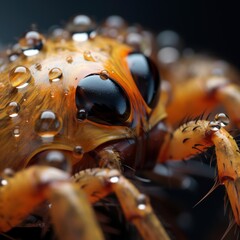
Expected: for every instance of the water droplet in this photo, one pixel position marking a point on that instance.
(214, 126)
(88, 56)
(78, 152)
(8, 172)
(3, 182)
(142, 202)
(31, 43)
(19, 76)
(104, 75)
(222, 118)
(114, 179)
(54, 158)
(12, 109)
(38, 66)
(16, 132)
(48, 124)
(55, 74)
(81, 115)
(81, 27)
(69, 59)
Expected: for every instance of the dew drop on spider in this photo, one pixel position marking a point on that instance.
(114, 179)
(69, 59)
(19, 76)
(38, 66)
(214, 126)
(16, 132)
(48, 124)
(104, 75)
(81, 114)
(78, 152)
(3, 182)
(87, 55)
(12, 109)
(31, 43)
(222, 118)
(55, 158)
(141, 202)
(55, 74)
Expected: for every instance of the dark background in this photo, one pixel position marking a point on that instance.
(207, 25)
(211, 26)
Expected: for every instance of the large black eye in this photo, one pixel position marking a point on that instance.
(145, 75)
(102, 101)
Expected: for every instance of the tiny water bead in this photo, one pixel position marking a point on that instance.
(78, 152)
(19, 76)
(16, 132)
(81, 114)
(38, 66)
(87, 55)
(31, 43)
(12, 109)
(55, 74)
(48, 124)
(104, 75)
(69, 59)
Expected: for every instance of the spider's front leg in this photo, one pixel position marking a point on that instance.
(98, 183)
(194, 137)
(71, 212)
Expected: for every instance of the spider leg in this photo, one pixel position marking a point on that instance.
(98, 183)
(193, 137)
(70, 210)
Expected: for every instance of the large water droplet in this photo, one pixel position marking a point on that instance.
(31, 43)
(48, 124)
(19, 76)
(12, 109)
(55, 74)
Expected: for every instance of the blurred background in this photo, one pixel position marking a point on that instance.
(206, 25)
(209, 26)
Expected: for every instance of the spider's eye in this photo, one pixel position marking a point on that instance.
(145, 75)
(102, 101)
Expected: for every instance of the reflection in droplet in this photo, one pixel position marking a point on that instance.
(55, 74)
(12, 109)
(19, 76)
(48, 124)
